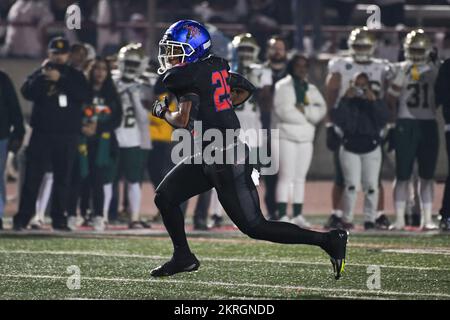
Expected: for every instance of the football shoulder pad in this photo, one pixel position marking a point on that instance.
(179, 79)
(241, 89)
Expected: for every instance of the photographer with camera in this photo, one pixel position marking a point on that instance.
(57, 91)
(359, 120)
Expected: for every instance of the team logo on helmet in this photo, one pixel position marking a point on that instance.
(193, 32)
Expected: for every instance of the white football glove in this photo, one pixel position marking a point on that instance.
(160, 107)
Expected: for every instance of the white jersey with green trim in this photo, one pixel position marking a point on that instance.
(249, 114)
(134, 116)
(379, 72)
(416, 100)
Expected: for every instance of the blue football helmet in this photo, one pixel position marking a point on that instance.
(187, 41)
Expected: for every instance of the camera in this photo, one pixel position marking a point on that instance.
(50, 65)
(359, 92)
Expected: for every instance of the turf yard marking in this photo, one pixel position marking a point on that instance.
(281, 261)
(445, 252)
(228, 284)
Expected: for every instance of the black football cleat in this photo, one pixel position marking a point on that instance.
(382, 222)
(336, 248)
(176, 265)
(217, 221)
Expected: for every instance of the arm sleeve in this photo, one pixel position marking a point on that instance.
(16, 118)
(284, 106)
(34, 86)
(339, 115)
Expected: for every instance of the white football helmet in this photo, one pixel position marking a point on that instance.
(417, 47)
(132, 61)
(246, 49)
(361, 43)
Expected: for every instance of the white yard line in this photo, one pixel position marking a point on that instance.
(280, 261)
(246, 285)
(445, 252)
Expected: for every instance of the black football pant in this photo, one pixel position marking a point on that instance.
(238, 196)
(60, 151)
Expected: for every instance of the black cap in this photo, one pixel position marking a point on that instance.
(59, 45)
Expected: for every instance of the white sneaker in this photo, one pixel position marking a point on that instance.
(429, 226)
(72, 223)
(427, 221)
(36, 224)
(98, 223)
(399, 225)
(284, 219)
(301, 222)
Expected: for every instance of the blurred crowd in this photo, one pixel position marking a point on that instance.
(91, 126)
(27, 25)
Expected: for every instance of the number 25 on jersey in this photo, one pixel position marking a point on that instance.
(222, 97)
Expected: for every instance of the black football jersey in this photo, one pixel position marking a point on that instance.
(210, 80)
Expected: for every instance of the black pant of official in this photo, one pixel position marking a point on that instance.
(60, 150)
(445, 209)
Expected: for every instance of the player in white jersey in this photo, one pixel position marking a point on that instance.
(132, 135)
(341, 71)
(416, 133)
(245, 61)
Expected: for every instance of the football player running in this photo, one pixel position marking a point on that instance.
(416, 133)
(341, 71)
(132, 135)
(207, 91)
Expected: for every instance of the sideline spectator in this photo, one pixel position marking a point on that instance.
(26, 41)
(298, 108)
(57, 92)
(277, 62)
(98, 149)
(78, 56)
(108, 38)
(360, 118)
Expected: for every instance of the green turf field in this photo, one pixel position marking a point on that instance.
(35, 267)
